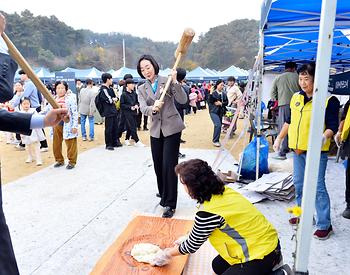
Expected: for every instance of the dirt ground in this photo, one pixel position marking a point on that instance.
(198, 134)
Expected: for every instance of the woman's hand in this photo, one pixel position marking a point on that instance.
(277, 144)
(74, 131)
(163, 257)
(337, 138)
(173, 76)
(157, 106)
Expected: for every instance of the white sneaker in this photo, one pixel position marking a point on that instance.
(216, 144)
(44, 149)
(21, 148)
(139, 144)
(84, 139)
(39, 163)
(127, 142)
(29, 160)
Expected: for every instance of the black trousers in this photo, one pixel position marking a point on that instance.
(111, 131)
(43, 143)
(254, 267)
(8, 264)
(165, 152)
(131, 127)
(347, 183)
(139, 120)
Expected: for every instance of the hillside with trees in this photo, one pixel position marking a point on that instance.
(46, 41)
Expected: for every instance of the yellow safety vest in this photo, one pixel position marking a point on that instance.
(346, 127)
(298, 131)
(247, 235)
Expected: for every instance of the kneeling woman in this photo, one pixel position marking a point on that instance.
(246, 241)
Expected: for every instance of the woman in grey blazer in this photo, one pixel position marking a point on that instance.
(165, 130)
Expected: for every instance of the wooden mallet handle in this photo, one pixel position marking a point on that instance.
(181, 50)
(17, 56)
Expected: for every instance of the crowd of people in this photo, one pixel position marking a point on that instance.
(246, 242)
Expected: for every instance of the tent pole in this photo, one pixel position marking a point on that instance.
(324, 52)
(258, 110)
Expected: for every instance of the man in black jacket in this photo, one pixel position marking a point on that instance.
(110, 112)
(19, 123)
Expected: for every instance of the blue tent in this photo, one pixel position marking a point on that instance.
(234, 71)
(200, 74)
(43, 73)
(119, 74)
(84, 74)
(291, 28)
(290, 32)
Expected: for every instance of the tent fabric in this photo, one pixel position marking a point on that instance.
(200, 74)
(290, 32)
(119, 74)
(41, 72)
(165, 72)
(84, 74)
(234, 71)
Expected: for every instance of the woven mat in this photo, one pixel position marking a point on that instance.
(200, 262)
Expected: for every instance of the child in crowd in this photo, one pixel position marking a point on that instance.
(66, 130)
(32, 142)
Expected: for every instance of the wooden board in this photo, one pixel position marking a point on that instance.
(159, 231)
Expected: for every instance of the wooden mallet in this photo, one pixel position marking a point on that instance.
(17, 56)
(181, 50)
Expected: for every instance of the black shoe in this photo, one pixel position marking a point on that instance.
(70, 166)
(145, 128)
(139, 128)
(182, 141)
(118, 144)
(58, 164)
(110, 148)
(346, 213)
(181, 156)
(157, 195)
(168, 212)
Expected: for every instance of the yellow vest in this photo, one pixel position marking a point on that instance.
(346, 127)
(247, 235)
(298, 131)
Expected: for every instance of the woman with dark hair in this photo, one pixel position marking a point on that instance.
(297, 129)
(165, 128)
(217, 107)
(246, 241)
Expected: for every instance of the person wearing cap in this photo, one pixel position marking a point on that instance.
(130, 107)
(17, 123)
(165, 128)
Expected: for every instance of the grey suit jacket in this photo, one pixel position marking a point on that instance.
(168, 120)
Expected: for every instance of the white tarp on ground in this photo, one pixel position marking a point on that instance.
(62, 221)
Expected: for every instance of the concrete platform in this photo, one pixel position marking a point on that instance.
(62, 221)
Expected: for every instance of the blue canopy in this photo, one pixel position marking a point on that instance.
(290, 32)
(84, 74)
(119, 74)
(234, 71)
(43, 73)
(200, 74)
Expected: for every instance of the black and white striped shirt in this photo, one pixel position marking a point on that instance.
(204, 224)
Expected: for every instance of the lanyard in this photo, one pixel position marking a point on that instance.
(154, 86)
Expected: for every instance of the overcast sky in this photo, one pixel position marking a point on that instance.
(155, 19)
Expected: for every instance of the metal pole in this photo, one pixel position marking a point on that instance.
(324, 51)
(258, 111)
(123, 52)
